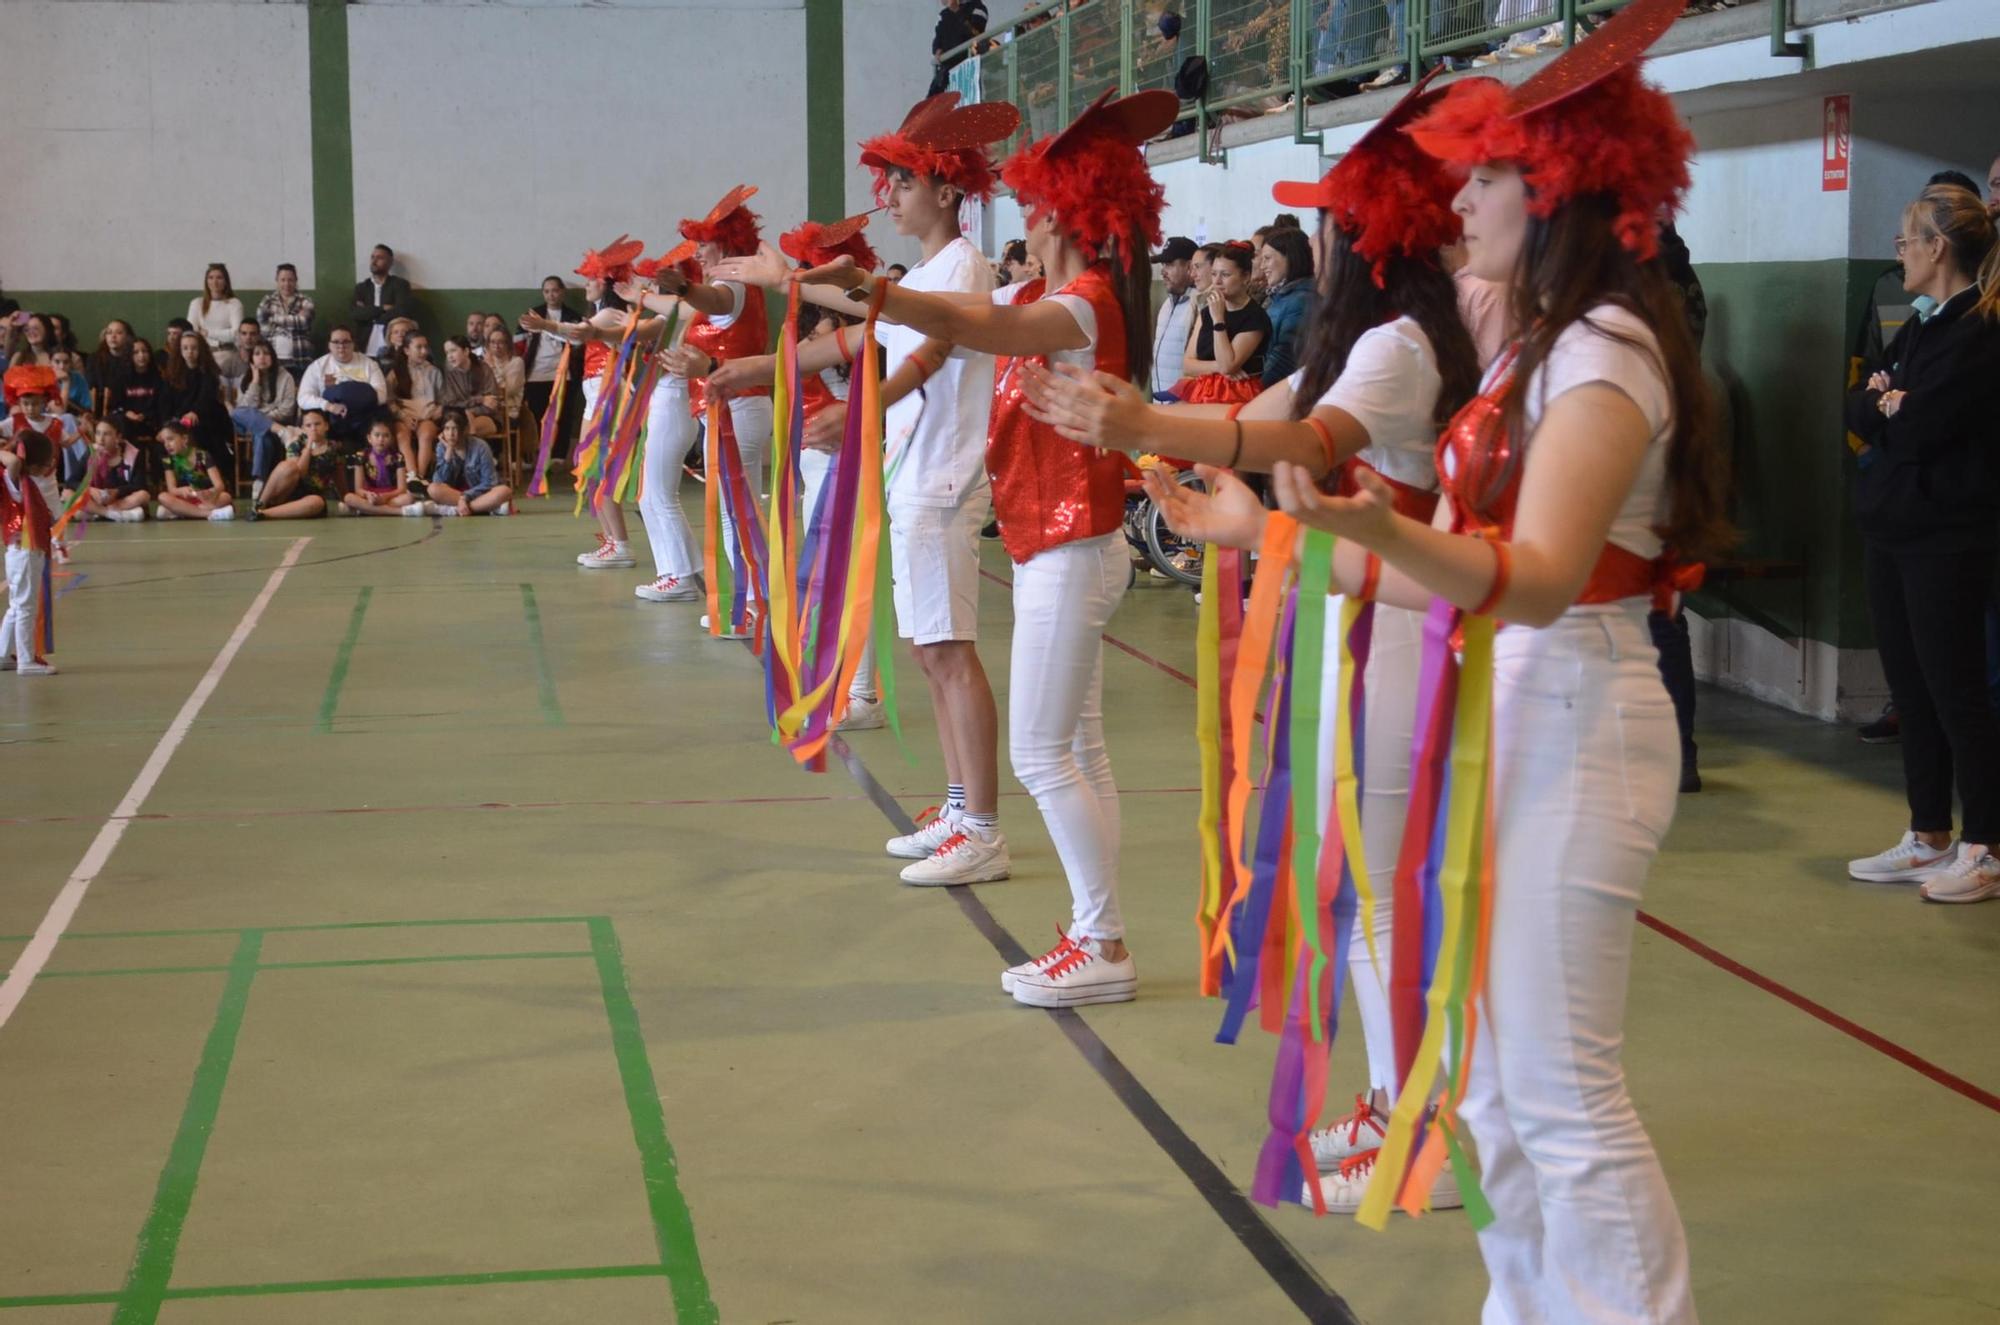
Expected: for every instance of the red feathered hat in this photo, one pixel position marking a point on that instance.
(612, 263)
(1093, 177)
(1586, 124)
(29, 379)
(680, 256)
(729, 223)
(940, 139)
(815, 245)
(1389, 195)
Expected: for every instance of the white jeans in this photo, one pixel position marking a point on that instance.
(1055, 716)
(814, 466)
(1389, 714)
(1586, 775)
(670, 435)
(750, 420)
(24, 591)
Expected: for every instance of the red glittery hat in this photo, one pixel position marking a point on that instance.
(612, 263)
(729, 223)
(1388, 194)
(815, 245)
(942, 140)
(1093, 177)
(29, 379)
(1585, 124)
(680, 256)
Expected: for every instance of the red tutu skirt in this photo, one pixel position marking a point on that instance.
(1217, 389)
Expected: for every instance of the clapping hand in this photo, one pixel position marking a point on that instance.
(766, 267)
(1368, 517)
(1228, 514)
(1095, 409)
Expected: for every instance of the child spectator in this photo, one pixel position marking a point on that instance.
(303, 486)
(193, 394)
(134, 399)
(194, 487)
(27, 466)
(414, 387)
(269, 398)
(384, 486)
(464, 480)
(72, 388)
(65, 334)
(123, 478)
(216, 313)
(31, 396)
(73, 461)
(109, 363)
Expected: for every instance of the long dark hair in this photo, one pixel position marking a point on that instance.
(1350, 303)
(1573, 262)
(102, 359)
(177, 368)
(1132, 280)
(1293, 246)
(399, 372)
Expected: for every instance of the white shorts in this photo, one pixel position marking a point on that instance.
(934, 556)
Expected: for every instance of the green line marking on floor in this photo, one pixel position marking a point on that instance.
(159, 1239)
(673, 1225)
(328, 965)
(545, 680)
(353, 1285)
(338, 677)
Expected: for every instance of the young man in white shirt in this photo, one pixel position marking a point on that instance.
(939, 401)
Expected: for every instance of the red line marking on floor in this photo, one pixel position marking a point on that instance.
(1117, 643)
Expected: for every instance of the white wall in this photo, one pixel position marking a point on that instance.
(1756, 194)
(1900, 141)
(149, 140)
(493, 144)
(888, 70)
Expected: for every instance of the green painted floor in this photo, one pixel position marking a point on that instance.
(476, 959)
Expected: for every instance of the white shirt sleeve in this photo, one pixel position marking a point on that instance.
(309, 385)
(736, 295)
(1086, 316)
(1585, 354)
(378, 381)
(1383, 375)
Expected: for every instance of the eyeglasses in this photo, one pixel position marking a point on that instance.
(1903, 242)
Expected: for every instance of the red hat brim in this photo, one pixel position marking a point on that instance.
(1318, 193)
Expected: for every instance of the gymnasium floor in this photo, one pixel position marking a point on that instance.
(473, 957)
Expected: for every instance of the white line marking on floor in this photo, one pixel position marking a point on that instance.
(63, 909)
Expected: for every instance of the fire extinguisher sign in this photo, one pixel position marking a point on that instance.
(1836, 147)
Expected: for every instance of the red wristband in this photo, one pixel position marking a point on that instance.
(1318, 425)
(1371, 578)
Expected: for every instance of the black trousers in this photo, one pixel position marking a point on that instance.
(1670, 637)
(1929, 613)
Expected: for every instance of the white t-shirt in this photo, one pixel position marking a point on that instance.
(218, 325)
(1079, 308)
(1585, 354)
(934, 446)
(1390, 387)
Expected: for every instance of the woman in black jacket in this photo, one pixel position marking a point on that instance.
(193, 390)
(134, 400)
(1927, 500)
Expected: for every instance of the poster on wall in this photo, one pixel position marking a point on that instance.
(1836, 146)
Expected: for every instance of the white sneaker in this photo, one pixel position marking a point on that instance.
(161, 511)
(863, 715)
(1081, 975)
(1344, 1188)
(1973, 877)
(610, 556)
(1909, 861)
(1387, 78)
(504, 508)
(1359, 1131)
(1035, 965)
(131, 515)
(222, 514)
(451, 508)
(668, 589)
(603, 546)
(36, 667)
(964, 857)
(417, 508)
(728, 634)
(933, 827)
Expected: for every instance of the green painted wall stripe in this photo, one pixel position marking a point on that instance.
(673, 1225)
(545, 680)
(332, 153)
(337, 678)
(826, 111)
(159, 1239)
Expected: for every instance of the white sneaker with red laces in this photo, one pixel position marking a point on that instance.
(669, 589)
(1973, 877)
(1344, 1188)
(1035, 964)
(610, 556)
(582, 558)
(1358, 1131)
(964, 857)
(934, 825)
(1081, 975)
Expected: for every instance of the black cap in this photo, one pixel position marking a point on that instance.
(1178, 248)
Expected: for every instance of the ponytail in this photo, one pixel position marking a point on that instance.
(1132, 279)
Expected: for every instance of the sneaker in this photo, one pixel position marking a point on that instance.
(256, 490)
(1344, 1188)
(38, 667)
(1885, 730)
(1081, 975)
(161, 511)
(1360, 1131)
(933, 827)
(727, 634)
(1973, 877)
(417, 508)
(450, 508)
(504, 508)
(222, 514)
(668, 589)
(1035, 965)
(863, 715)
(607, 557)
(1387, 78)
(603, 546)
(964, 857)
(132, 515)
(1909, 861)
(62, 553)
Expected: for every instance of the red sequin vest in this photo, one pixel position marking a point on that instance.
(747, 336)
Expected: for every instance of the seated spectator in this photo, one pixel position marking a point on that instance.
(305, 485)
(248, 337)
(415, 384)
(72, 388)
(384, 486)
(65, 333)
(269, 398)
(177, 328)
(192, 393)
(378, 301)
(346, 388)
(469, 386)
(193, 486)
(1201, 269)
(109, 363)
(1288, 274)
(123, 478)
(398, 335)
(464, 480)
(216, 313)
(494, 322)
(286, 318)
(34, 340)
(1228, 368)
(133, 401)
(510, 375)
